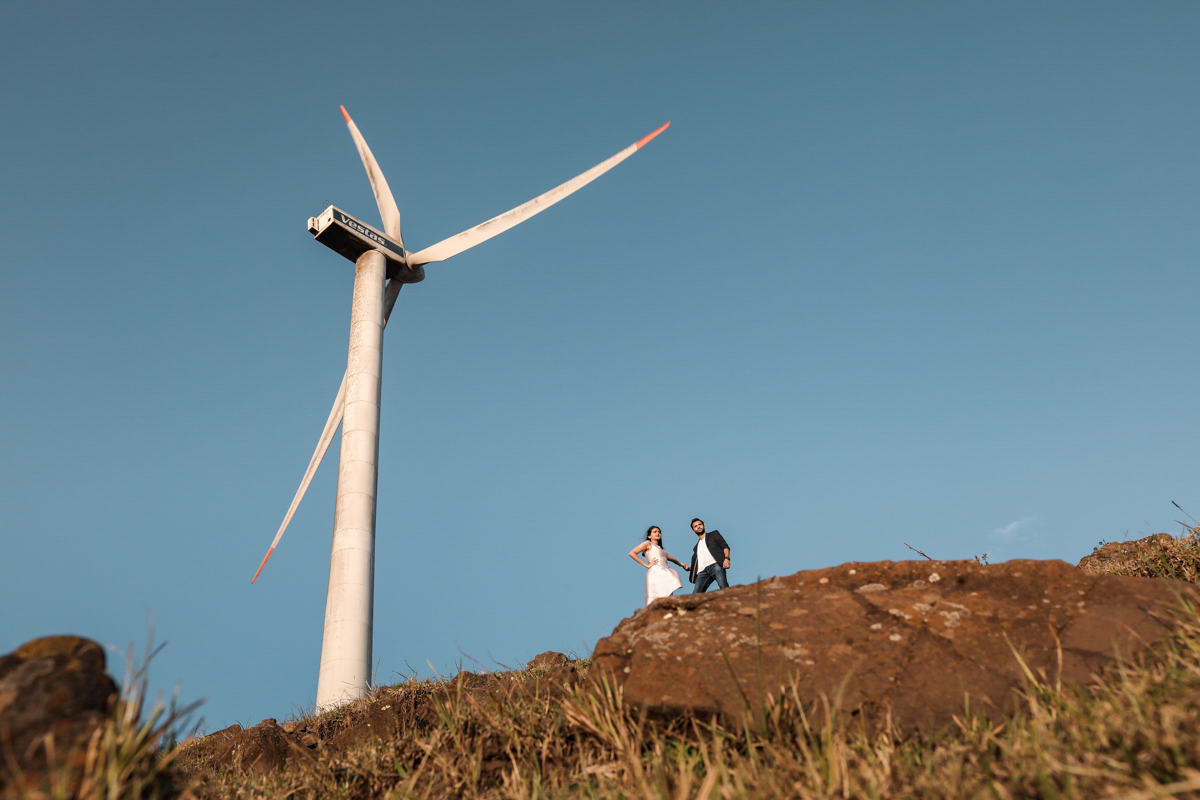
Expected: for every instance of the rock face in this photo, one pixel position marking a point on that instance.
(915, 637)
(54, 693)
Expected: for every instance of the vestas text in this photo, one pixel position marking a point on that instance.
(353, 224)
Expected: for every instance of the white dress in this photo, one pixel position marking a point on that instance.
(661, 580)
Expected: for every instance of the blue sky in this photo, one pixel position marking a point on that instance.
(898, 273)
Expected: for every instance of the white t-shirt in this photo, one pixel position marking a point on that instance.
(703, 556)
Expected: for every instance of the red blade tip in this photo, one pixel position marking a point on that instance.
(347, 116)
(263, 564)
(642, 142)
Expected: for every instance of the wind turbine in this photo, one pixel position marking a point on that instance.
(381, 268)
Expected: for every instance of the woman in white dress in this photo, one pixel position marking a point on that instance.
(661, 580)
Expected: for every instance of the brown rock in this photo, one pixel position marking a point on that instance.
(382, 721)
(204, 749)
(262, 749)
(54, 693)
(917, 637)
(223, 734)
(555, 681)
(548, 660)
(1105, 558)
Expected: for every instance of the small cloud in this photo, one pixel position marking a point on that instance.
(1010, 530)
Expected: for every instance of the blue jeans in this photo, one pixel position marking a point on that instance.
(705, 577)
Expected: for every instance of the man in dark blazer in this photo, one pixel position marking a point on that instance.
(710, 559)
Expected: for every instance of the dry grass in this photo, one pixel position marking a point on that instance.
(1167, 557)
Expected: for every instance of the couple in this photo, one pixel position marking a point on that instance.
(710, 559)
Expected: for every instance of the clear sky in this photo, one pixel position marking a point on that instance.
(898, 272)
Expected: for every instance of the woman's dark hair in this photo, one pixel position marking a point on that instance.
(652, 527)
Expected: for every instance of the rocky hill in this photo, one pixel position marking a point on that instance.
(920, 678)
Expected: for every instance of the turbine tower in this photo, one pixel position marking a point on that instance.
(382, 266)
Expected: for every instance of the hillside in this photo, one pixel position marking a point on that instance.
(563, 728)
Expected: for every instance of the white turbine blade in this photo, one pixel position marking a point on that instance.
(497, 225)
(388, 210)
(331, 424)
(389, 299)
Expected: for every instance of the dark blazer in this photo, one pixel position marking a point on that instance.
(716, 545)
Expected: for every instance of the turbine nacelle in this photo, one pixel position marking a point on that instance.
(352, 237)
